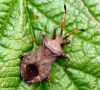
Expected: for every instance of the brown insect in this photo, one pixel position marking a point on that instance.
(35, 66)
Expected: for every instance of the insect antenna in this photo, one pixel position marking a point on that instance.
(63, 21)
(73, 32)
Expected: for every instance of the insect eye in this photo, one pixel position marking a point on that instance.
(33, 69)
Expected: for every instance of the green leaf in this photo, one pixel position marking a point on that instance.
(22, 23)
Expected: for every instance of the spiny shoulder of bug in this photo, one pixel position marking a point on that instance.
(55, 43)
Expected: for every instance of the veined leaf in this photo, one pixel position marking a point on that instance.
(22, 24)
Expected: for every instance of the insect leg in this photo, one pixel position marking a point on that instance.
(66, 57)
(54, 34)
(43, 44)
(65, 43)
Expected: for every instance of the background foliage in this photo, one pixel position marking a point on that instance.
(22, 23)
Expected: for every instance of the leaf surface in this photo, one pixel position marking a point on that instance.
(22, 23)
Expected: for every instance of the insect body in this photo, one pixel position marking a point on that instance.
(35, 66)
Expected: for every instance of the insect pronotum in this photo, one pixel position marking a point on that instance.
(35, 66)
